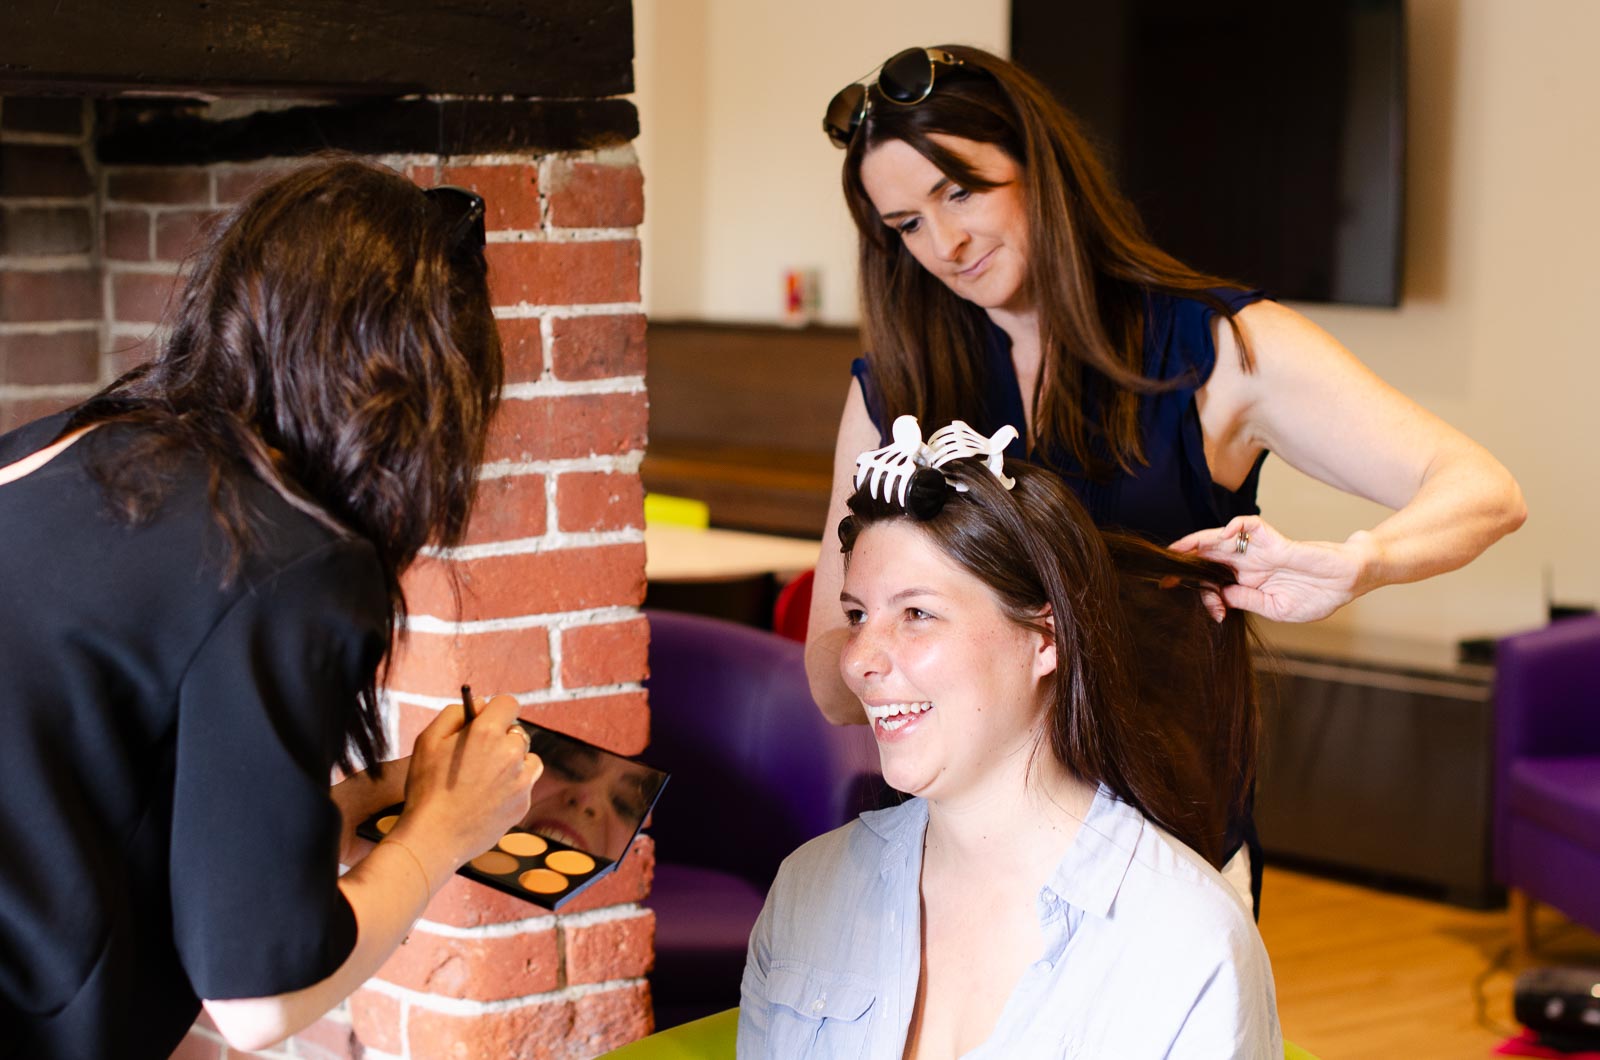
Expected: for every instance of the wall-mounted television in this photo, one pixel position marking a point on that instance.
(1261, 140)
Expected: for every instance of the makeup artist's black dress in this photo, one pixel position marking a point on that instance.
(165, 746)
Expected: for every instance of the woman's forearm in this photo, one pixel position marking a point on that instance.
(361, 795)
(1461, 509)
(387, 891)
(463, 788)
(837, 703)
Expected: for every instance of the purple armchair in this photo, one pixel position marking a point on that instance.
(1547, 772)
(756, 771)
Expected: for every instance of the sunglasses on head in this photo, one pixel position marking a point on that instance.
(462, 211)
(906, 78)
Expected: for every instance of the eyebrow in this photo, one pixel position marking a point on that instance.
(936, 189)
(903, 594)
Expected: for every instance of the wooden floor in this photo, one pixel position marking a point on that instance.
(1368, 974)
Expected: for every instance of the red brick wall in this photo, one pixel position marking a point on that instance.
(51, 298)
(551, 575)
(551, 578)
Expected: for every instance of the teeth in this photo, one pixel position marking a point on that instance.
(895, 710)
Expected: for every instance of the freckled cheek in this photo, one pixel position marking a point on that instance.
(929, 665)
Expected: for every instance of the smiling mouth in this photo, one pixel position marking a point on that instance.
(975, 266)
(891, 717)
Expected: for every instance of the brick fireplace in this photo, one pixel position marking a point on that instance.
(102, 190)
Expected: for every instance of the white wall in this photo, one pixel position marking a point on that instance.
(1496, 331)
(1496, 328)
(741, 183)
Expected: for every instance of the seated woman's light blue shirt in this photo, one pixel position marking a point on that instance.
(1147, 951)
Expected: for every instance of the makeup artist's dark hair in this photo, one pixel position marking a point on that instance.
(332, 340)
(1090, 270)
(1150, 695)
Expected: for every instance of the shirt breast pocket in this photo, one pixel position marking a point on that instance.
(818, 1013)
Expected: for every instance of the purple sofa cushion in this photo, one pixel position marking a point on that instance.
(705, 909)
(1561, 794)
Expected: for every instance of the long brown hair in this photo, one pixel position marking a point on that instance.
(331, 340)
(1150, 695)
(1090, 271)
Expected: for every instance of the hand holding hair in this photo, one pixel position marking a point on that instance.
(1281, 578)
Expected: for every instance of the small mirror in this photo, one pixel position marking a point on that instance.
(588, 798)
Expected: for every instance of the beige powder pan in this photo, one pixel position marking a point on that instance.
(571, 862)
(495, 862)
(523, 844)
(544, 881)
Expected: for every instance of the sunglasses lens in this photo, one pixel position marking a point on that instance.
(907, 77)
(844, 114)
(462, 211)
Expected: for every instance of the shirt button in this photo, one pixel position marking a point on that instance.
(816, 1006)
(1042, 967)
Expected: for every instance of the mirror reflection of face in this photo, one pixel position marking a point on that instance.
(950, 682)
(587, 798)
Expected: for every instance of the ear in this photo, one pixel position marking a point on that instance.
(1044, 653)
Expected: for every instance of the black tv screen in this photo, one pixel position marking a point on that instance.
(1260, 140)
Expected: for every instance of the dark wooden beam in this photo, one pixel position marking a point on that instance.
(147, 132)
(563, 49)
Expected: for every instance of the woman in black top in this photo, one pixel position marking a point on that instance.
(199, 580)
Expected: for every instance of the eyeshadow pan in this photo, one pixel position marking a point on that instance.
(386, 824)
(495, 862)
(543, 881)
(571, 862)
(523, 844)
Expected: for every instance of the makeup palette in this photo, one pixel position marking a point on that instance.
(586, 809)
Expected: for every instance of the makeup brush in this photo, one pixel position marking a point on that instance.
(466, 703)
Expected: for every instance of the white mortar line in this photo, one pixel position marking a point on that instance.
(462, 1007)
(541, 698)
(49, 201)
(557, 541)
(616, 384)
(50, 327)
(556, 234)
(17, 391)
(47, 262)
(532, 925)
(625, 462)
(525, 310)
(605, 914)
(555, 620)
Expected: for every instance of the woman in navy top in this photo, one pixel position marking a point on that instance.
(1005, 280)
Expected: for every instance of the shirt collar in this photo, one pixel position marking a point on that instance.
(1091, 872)
(901, 829)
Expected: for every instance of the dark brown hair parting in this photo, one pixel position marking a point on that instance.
(330, 340)
(1091, 269)
(1150, 696)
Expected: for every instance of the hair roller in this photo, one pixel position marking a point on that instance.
(926, 496)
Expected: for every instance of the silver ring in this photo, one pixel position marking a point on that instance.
(518, 730)
(1243, 542)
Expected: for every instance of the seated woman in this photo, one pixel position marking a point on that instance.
(1040, 894)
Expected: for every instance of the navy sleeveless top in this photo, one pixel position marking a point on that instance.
(1172, 495)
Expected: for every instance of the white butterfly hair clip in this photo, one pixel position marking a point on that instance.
(887, 472)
